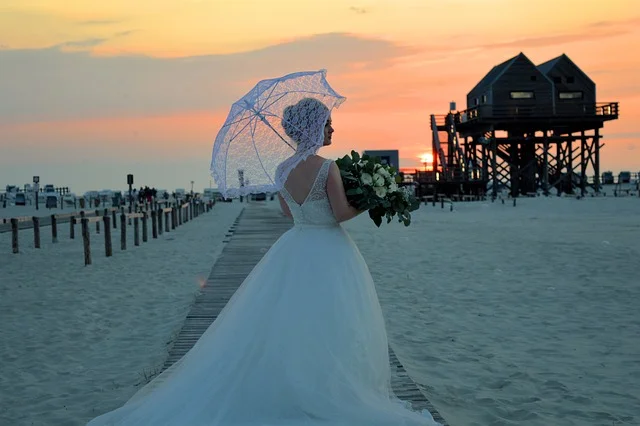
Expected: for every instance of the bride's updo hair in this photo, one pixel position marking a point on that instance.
(301, 120)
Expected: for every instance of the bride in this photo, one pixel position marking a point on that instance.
(303, 340)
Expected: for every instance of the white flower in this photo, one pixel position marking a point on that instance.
(393, 187)
(384, 172)
(381, 191)
(378, 180)
(366, 179)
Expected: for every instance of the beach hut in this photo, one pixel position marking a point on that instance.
(574, 92)
(513, 88)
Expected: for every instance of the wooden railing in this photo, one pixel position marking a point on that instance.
(608, 110)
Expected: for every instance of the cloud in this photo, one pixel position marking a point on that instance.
(552, 40)
(359, 10)
(633, 22)
(99, 22)
(455, 47)
(124, 33)
(59, 84)
(91, 42)
(87, 43)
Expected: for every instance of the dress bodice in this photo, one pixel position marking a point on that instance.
(316, 209)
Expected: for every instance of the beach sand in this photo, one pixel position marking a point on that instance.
(76, 341)
(525, 315)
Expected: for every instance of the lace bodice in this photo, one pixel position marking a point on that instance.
(316, 209)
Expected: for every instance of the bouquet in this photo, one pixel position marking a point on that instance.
(373, 186)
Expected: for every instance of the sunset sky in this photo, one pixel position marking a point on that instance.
(91, 91)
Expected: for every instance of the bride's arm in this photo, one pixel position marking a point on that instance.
(284, 207)
(342, 210)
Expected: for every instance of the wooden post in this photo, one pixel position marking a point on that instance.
(86, 242)
(54, 229)
(113, 219)
(166, 222)
(72, 227)
(108, 247)
(123, 231)
(36, 232)
(191, 205)
(154, 224)
(159, 217)
(144, 227)
(14, 236)
(173, 217)
(179, 212)
(97, 222)
(136, 231)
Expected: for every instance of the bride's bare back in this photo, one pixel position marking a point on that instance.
(300, 183)
(301, 179)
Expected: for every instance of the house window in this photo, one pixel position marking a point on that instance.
(570, 95)
(557, 80)
(484, 99)
(521, 95)
(571, 80)
(475, 101)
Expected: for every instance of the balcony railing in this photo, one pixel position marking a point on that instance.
(607, 110)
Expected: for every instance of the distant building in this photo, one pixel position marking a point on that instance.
(390, 157)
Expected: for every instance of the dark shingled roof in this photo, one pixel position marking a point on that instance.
(495, 73)
(545, 67)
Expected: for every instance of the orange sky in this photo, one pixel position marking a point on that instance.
(148, 83)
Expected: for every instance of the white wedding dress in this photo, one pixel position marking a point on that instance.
(301, 342)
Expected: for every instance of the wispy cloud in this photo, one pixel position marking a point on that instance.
(99, 22)
(87, 43)
(552, 40)
(124, 33)
(359, 10)
(625, 22)
(91, 42)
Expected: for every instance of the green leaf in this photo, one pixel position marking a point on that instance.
(356, 156)
(355, 191)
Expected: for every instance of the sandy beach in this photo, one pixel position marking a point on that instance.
(523, 315)
(506, 315)
(76, 340)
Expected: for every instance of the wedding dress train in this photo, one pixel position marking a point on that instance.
(301, 342)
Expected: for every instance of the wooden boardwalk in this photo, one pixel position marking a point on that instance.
(255, 230)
